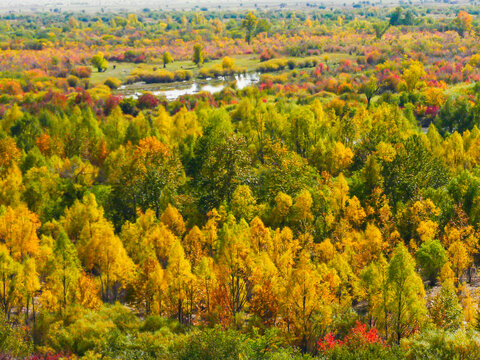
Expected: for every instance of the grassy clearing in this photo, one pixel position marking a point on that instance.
(121, 71)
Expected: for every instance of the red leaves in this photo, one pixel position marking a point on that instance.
(147, 101)
(328, 343)
(358, 337)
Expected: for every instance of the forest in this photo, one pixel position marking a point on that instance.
(327, 210)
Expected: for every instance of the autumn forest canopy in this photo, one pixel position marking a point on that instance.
(270, 183)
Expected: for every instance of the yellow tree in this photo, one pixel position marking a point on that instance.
(18, 231)
(108, 257)
(413, 73)
(339, 195)
(210, 231)
(460, 230)
(87, 294)
(348, 289)
(11, 187)
(281, 210)
(369, 247)
(284, 250)
(180, 279)
(308, 298)
(463, 23)
(207, 282)
(99, 249)
(354, 212)
(30, 284)
(459, 259)
(150, 287)
(265, 289)
(235, 268)
(259, 236)
(10, 271)
(174, 220)
(374, 283)
(192, 244)
(135, 236)
(244, 205)
(147, 237)
(302, 212)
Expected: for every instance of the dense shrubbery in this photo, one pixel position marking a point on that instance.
(272, 65)
(15, 341)
(158, 76)
(216, 71)
(360, 344)
(443, 345)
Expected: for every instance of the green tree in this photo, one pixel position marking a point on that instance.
(66, 269)
(407, 295)
(99, 62)
(370, 89)
(431, 256)
(380, 29)
(395, 16)
(413, 168)
(198, 54)
(167, 59)
(263, 26)
(249, 23)
(158, 172)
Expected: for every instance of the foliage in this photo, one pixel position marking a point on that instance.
(244, 221)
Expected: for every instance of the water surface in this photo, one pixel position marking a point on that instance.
(173, 91)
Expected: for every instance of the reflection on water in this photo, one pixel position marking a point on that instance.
(211, 85)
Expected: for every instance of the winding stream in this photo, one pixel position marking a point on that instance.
(188, 88)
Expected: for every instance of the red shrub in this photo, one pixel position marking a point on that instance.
(359, 337)
(147, 101)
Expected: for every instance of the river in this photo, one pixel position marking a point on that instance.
(173, 91)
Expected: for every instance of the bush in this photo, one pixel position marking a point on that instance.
(219, 70)
(14, 341)
(129, 106)
(147, 101)
(443, 345)
(158, 76)
(272, 65)
(73, 81)
(267, 55)
(231, 345)
(112, 83)
(212, 344)
(361, 343)
(82, 72)
(155, 323)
